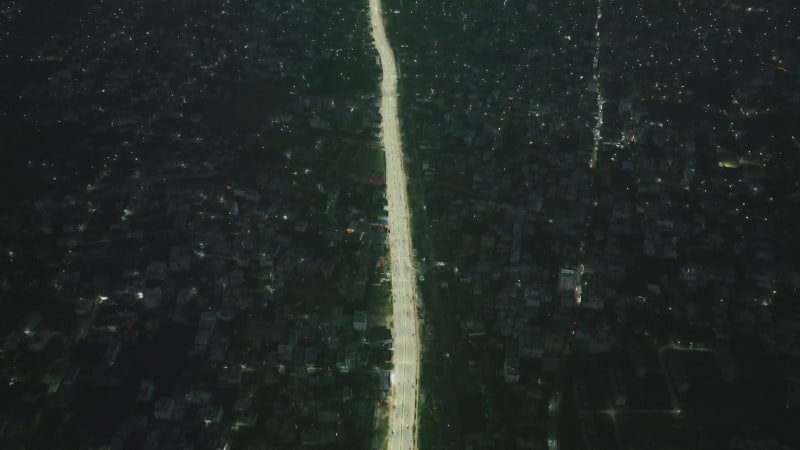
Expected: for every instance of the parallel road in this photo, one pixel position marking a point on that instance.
(402, 419)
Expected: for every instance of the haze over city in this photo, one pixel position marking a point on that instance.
(399, 224)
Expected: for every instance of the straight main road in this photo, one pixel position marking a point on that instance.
(405, 375)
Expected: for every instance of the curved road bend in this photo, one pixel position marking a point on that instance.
(402, 418)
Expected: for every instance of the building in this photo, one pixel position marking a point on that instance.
(511, 370)
(360, 321)
(567, 279)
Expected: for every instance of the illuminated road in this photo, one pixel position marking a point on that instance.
(402, 418)
(598, 127)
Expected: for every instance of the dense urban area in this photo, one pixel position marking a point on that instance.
(194, 242)
(608, 193)
(195, 238)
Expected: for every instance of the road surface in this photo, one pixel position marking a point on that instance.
(402, 418)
